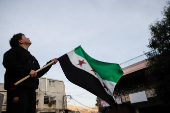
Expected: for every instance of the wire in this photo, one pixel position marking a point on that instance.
(75, 106)
(81, 93)
(82, 104)
(86, 97)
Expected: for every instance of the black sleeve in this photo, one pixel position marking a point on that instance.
(45, 70)
(11, 63)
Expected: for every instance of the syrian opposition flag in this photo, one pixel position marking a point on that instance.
(95, 76)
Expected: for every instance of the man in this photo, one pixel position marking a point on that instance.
(19, 63)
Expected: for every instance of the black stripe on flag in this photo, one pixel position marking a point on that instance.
(85, 80)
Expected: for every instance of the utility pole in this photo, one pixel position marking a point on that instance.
(64, 101)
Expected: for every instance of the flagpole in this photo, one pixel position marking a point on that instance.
(36, 71)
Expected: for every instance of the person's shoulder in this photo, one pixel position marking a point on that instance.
(16, 48)
(13, 49)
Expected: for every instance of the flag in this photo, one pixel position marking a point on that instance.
(95, 76)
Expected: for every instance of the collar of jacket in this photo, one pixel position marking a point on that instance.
(24, 49)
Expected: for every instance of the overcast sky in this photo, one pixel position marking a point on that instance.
(108, 30)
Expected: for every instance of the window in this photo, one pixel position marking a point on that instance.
(51, 99)
(5, 101)
(48, 99)
(51, 83)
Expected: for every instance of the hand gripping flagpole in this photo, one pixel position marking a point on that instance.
(36, 71)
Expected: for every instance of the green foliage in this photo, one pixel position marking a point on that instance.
(159, 57)
(37, 101)
(50, 104)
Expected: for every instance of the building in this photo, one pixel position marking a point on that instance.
(4, 92)
(50, 96)
(134, 92)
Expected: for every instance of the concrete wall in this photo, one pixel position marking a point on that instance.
(4, 92)
(1, 101)
(57, 91)
(135, 67)
(149, 94)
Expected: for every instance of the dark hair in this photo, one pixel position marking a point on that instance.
(14, 40)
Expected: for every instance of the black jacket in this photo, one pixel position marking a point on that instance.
(18, 63)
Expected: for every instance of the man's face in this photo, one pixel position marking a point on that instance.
(25, 40)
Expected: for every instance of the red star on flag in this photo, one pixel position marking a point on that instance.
(81, 62)
(105, 87)
(93, 71)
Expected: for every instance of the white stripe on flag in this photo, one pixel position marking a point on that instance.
(74, 58)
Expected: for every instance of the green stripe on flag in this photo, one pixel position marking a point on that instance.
(107, 71)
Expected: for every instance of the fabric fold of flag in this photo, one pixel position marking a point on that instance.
(95, 76)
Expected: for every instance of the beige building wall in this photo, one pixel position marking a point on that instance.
(4, 92)
(149, 93)
(134, 67)
(51, 88)
(55, 90)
